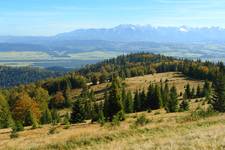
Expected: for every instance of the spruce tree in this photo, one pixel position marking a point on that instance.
(143, 100)
(98, 114)
(66, 119)
(218, 98)
(106, 104)
(156, 101)
(5, 115)
(137, 102)
(46, 117)
(87, 106)
(129, 103)
(207, 89)
(150, 96)
(187, 93)
(172, 105)
(165, 95)
(198, 92)
(55, 116)
(192, 93)
(124, 96)
(68, 98)
(33, 121)
(115, 104)
(78, 112)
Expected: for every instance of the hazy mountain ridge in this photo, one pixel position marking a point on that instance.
(132, 33)
(181, 41)
(129, 33)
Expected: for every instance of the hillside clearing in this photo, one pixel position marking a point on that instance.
(142, 82)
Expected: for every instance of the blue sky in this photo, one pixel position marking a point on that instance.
(49, 17)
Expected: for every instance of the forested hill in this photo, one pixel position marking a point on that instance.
(146, 63)
(11, 76)
(23, 103)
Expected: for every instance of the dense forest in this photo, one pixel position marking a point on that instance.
(40, 102)
(144, 63)
(12, 76)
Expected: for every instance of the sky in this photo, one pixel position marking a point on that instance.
(49, 17)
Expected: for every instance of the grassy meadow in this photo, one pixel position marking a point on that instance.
(163, 131)
(145, 130)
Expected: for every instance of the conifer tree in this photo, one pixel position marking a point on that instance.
(192, 93)
(18, 126)
(198, 92)
(55, 116)
(143, 100)
(156, 101)
(150, 96)
(87, 106)
(97, 113)
(218, 98)
(187, 93)
(124, 96)
(129, 103)
(46, 117)
(172, 105)
(137, 102)
(106, 104)
(78, 112)
(68, 98)
(165, 95)
(115, 104)
(66, 119)
(207, 89)
(5, 115)
(33, 121)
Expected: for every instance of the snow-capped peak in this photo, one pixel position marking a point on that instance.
(183, 29)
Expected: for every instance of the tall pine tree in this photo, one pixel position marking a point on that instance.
(115, 104)
(172, 105)
(129, 103)
(218, 98)
(78, 112)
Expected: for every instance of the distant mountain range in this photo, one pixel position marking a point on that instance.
(123, 38)
(130, 33)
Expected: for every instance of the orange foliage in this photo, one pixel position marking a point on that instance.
(204, 69)
(23, 105)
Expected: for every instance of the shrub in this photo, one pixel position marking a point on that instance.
(52, 130)
(67, 126)
(14, 134)
(184, 106)
(203, 113)
(149, 110)
(157, 113)
(115, 120)
(141, 120)
(19, 126)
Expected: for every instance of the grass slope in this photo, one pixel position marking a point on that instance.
(164, 130)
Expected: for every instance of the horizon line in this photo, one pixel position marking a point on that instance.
(120, 25)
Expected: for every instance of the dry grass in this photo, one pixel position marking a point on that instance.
(164, 131)
(142, 82)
